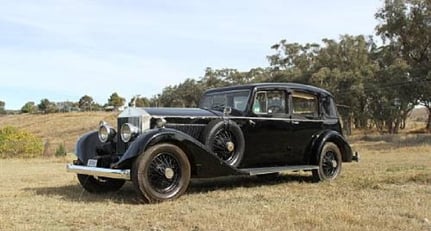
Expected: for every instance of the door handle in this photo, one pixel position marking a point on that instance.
(295, 122)
(252, 123)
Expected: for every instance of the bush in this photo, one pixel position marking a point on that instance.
(60, 151)
(19, 143)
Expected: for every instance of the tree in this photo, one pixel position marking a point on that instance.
(2, 107)
(46, 106)
(405, 25)
(29, 107)
(292, 62)
(139, 102)
(85, 103)
(116, 101)
(344, 67)
(341, 67)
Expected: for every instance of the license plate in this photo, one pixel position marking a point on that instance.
(92, 163)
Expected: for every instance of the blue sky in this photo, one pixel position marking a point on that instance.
(64, 49)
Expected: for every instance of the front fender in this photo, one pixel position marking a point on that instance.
(330, 136)
(86, 146)
(204, 162)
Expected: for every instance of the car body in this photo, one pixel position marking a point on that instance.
(253, 129)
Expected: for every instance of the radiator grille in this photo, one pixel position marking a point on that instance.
(136, 121)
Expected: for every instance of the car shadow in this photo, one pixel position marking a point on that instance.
(232, 182)
(127, 195)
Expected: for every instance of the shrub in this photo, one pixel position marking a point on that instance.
(19, 143)
(60, 151)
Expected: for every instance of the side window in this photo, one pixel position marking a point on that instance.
(304, 105)
(271, 103)
(329, 108)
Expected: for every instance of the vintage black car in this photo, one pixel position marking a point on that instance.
(253, 129)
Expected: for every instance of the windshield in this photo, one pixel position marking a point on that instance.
(219, 100)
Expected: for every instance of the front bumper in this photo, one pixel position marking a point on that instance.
(123, 174)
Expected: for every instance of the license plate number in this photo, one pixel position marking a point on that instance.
(92, 163)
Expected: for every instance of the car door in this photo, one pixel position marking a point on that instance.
(305, 123)
(267, 129)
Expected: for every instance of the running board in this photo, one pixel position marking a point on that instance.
(268, 170)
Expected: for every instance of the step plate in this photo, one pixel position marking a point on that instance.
(268, 170)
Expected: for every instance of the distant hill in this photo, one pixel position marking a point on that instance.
(58, 128)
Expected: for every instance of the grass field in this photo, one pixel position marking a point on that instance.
(390, 189)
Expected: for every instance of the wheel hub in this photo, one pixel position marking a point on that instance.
(169, 173)
(334, 163)
(230, 146)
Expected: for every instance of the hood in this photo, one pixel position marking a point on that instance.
(169, 112)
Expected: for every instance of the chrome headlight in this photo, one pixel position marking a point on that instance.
(106, 133)
(128, 132)
(160, 122)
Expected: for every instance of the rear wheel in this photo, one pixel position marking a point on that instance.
(161, 173)
(329, 163)
(99, 184)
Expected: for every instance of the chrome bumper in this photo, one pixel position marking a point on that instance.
(123, 174)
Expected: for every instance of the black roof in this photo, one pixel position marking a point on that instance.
(251, 86)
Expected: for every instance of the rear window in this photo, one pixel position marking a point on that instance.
(304, 105)
(329, 108)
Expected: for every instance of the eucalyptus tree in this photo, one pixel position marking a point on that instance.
(405, 26)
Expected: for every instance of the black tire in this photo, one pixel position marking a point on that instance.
(330, 162)
(99, 185)
(226, 140)
(161, 173)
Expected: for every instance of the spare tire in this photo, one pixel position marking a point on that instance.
(226, 140)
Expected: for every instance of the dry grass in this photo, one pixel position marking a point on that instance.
(59, 128)
(390, 189)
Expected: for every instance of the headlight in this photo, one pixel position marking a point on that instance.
(160, 122)
(128, 132)
(106, 133)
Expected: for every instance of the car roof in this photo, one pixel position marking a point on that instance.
(291, 86)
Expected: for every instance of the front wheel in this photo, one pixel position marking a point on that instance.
(99, 184)
(161, 173)
(329, 163)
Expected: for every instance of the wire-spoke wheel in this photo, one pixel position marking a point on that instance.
(161, 173)
(226, 140)
(329, 163)
(224, 145)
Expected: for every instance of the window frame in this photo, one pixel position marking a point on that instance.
(282, 114)
(315, 115)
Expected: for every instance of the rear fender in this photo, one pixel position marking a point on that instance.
(330, 136)
(204, 163)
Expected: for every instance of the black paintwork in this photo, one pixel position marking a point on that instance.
(269, 141)
(182, 112)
